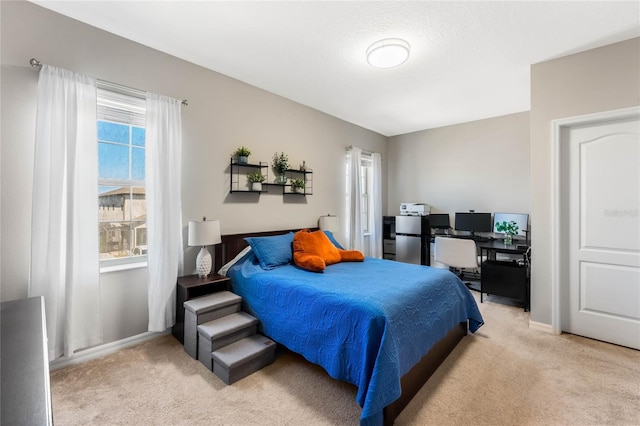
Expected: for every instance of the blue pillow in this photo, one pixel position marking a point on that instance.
(335, 242)
(272, 251)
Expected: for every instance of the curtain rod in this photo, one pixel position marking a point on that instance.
(350, 147)
(37, 64)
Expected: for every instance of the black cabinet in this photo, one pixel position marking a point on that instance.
(389, 237)
(505, 278)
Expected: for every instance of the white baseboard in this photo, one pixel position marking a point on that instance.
(102, 350)
(540, 326)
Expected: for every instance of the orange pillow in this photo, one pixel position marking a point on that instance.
(351, 256)
(314, 251)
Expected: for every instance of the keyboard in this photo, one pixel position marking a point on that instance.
(475, 238)
(482, 239)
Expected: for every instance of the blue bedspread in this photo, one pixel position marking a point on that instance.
(366, 323)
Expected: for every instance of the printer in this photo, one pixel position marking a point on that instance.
(414, 209)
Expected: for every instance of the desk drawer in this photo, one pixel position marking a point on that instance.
(389, 246)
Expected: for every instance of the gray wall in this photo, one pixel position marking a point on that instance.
(223, 114)
(597, 80)
(498, 164)
(481, 165)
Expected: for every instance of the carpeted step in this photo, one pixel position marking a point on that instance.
(237, 360)
(223, 331)
(204, 309)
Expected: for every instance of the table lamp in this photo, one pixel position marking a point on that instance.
(203, 234)
(331, 223)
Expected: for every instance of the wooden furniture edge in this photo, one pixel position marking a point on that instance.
(414, 379)
(232, 244)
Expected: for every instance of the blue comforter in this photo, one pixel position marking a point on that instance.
(365, 323)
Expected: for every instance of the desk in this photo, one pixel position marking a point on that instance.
(505, 278)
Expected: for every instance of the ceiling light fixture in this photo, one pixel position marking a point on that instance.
(388, 53)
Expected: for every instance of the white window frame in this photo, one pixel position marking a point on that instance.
(125, 106)
(366, 165)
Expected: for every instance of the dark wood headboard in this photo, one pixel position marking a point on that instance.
(232, 244)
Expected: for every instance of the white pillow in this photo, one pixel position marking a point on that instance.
(225, 268)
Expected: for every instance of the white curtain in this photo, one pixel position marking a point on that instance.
(164, 213)
(375, 228)
(65, 265)
(353, 223)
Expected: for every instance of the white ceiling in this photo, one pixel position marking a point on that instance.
(469, 60)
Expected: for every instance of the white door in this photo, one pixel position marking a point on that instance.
(604, 231)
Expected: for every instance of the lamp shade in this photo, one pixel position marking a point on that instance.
(329, 223)
(204, 233)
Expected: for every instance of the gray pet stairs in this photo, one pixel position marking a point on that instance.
(224, 338)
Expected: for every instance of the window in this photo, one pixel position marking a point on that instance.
(121, 176)
(363, 230)
(366, 182)
(366, 166)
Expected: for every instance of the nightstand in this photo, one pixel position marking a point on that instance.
(190, 287)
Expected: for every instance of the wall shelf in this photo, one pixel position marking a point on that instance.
(305, 175)
(239, 172)
(240, 183)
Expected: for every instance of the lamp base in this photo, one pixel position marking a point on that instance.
(203, 262)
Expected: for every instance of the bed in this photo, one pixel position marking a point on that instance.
(383, 326)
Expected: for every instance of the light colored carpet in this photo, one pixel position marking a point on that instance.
(505, 374)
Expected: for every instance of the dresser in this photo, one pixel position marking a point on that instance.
(24, 368)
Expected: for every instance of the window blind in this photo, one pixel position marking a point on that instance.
(121, 104)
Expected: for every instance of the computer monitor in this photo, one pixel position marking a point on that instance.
(521, 219)
(474, 222)
(439, 221)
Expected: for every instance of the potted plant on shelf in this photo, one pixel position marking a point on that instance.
(243, 154)
(297, 185)
(510, 229)
(256, 179)
(280, 165)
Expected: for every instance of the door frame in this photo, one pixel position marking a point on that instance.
(559, 250)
